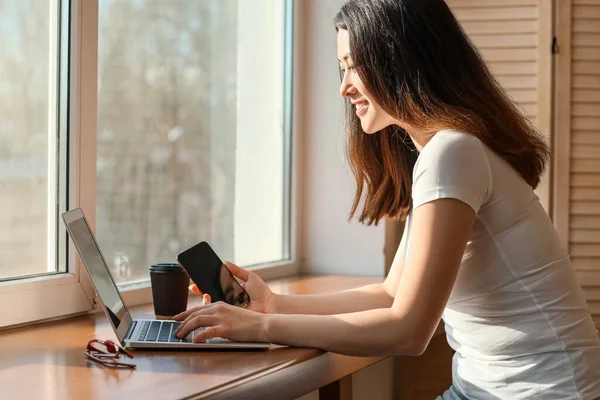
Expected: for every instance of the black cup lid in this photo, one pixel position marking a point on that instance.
(166, 268)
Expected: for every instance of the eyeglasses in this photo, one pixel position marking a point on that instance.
(107, 352)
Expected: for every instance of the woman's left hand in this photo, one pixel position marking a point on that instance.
(222, 320)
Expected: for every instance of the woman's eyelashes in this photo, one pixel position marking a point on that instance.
(343, 70)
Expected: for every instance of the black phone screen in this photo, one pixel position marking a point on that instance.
(211, 275)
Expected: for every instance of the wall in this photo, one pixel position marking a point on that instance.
(328, 243)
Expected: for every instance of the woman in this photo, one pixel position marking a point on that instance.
(434, 139)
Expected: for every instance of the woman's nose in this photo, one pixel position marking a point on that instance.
(347, 89)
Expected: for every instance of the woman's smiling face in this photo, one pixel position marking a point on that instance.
(372, 117)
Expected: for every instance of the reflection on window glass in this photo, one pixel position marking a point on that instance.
(173, 167)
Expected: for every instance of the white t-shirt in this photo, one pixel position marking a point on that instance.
(516, 317)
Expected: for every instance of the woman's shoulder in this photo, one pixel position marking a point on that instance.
(450, 147)
(453, 164)
(451, 139)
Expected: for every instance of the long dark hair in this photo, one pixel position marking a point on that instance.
(421, 68)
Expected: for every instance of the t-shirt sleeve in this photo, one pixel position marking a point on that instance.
(453, 165)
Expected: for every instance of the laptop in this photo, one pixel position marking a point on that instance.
(132, 333)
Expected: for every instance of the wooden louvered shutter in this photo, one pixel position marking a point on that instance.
(515, 37)
(577, 141)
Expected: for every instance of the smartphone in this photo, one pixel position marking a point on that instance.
(211, 275)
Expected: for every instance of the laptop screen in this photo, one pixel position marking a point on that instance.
(94, 262)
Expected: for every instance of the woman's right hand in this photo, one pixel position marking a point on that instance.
(262, 299)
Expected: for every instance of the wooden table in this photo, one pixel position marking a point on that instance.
(47, 361)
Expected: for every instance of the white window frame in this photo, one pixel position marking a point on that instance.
(54, 296)
(71, 293)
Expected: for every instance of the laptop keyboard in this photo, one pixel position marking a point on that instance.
(162, 331)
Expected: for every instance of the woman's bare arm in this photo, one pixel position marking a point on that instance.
(439, 236)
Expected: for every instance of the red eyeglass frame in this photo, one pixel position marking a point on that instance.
(108, 356)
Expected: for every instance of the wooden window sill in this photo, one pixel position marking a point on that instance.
(47, 360)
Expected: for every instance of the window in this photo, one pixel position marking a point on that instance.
(36, 117)
(33, 137)
(192, 132)
(167, 122)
